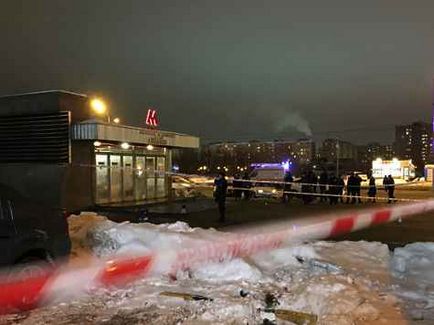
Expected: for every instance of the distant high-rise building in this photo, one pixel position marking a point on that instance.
(237, 156)
(332, 147)
(367, 153)
(413, 141)
(338, 154)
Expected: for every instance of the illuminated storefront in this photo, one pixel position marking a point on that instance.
(399, 169)
(131, 164)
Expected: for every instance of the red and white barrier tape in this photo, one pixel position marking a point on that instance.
(345, 196)
(28, 293)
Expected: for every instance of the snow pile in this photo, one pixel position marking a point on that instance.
(413, 267)
(106, 238)
(341, 283)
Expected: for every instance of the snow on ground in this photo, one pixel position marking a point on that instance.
(413, 271)
(343, 282)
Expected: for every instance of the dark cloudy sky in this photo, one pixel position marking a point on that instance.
(231, 69)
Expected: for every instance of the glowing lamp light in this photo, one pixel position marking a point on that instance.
(98, 106)
(97, 143)
(117, 120)
(150, 147)
(125, 145)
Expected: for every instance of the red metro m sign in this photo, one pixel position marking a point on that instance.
(151, 118)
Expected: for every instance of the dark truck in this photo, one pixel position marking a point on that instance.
(32, 235)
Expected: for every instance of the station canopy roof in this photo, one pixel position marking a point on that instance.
(106, 132)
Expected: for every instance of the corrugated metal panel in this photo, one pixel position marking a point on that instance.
(35, 138)
(85, 131)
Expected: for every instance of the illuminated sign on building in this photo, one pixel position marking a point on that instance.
(400, 169)
(151, 118)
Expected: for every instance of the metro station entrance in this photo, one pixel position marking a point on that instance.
(130, 176)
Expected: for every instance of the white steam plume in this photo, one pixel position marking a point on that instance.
(292, 120)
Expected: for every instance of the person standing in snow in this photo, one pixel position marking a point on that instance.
(390, 189)
(220, 191)
(372, 191)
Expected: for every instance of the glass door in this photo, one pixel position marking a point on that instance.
(102, 192)
(161, 177)
(140, 179)
(150, 177)
(115, 178)
(128, 178)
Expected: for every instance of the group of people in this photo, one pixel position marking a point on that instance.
(332, 188)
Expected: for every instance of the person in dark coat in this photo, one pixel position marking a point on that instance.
(386, 184)
(351, 184)
(372, 191)
(288, 179)
(390, 189)
(221, 187)
(313, 180)
(385, 181)
(333, 189)
(323, 180)
(357, 187)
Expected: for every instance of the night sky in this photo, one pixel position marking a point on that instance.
(237, 70)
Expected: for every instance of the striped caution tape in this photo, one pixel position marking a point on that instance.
(27, 293)
(345, 196)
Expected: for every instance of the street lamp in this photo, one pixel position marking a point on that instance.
(98, 106)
